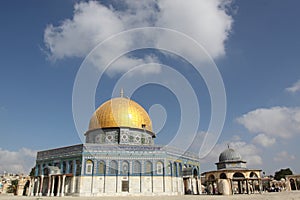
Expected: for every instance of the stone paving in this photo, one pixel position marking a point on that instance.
(295, 195)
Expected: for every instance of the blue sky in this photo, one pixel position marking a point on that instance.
(255, 45)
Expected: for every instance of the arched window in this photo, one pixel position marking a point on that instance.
(42, 169)
(223, 176)
(46, 171)
(101, 167)
(211, 178)
(113, 167)
(170, 168)
(125, 168)
(148, 167)
(64, 167)
(71, 166)
(180, 170)
(37, 170)
(89, 167)
(78, 167)
(136, 167)
(175, 169)
(195, 172)
(159, 168)
(253, 175)
(238, 175)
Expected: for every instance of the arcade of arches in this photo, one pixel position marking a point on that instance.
(232, 176)
(119, 157)
(293, 182)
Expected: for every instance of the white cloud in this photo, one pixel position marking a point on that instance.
(205, 21)
(283, 122)
(249, 152)
(90, 24)
(20, 161)
(264, 140)
(294, 88)
(284, 156)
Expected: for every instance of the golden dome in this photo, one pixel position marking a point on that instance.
(120, 112)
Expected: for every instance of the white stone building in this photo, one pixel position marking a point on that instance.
(118, 158)
(232, 176)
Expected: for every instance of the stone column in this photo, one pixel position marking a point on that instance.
(232, 187)
(52, 186)
(190, 184)
(199, 185)
(58, 186)
(260, 186)
(31, 187)
(74, 178)
(63, 186)
(41, 186)
(192, 188)
(240, 187)
(37, 187)
(49, 185)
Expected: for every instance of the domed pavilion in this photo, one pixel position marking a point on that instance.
(119, 157)
(232, 176)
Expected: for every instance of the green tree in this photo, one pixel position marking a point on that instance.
(32, 172)
(13, 187)
(282, 173)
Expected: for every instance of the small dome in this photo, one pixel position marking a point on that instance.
(120, 112)
(229, 155)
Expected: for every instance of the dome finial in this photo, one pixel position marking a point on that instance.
(122, 92)
(228, 145)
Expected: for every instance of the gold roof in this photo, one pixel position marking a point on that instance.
(120, 112)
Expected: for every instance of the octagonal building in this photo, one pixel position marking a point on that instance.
(119, 157)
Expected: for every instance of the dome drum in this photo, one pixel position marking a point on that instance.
(120, 135)
(122, 121)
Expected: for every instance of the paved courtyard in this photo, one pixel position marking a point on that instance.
(267, 196)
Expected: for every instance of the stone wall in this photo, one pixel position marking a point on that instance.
(137, 185)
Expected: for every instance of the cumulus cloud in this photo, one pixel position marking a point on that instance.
(283, 122)
(206, 21)
(284, 156)
(294, 88)
(195, 18)
(264, 140)
(249, 152)
(20, 161)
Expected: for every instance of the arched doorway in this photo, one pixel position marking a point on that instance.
(212, 185)
(125, 176)
(195, 176)
(26, 188)
(137, 171)
(253, 183)
(293, 184)
(55, 190)
(239, 185)
(253, 175)
(189, 175)
(223, 176)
